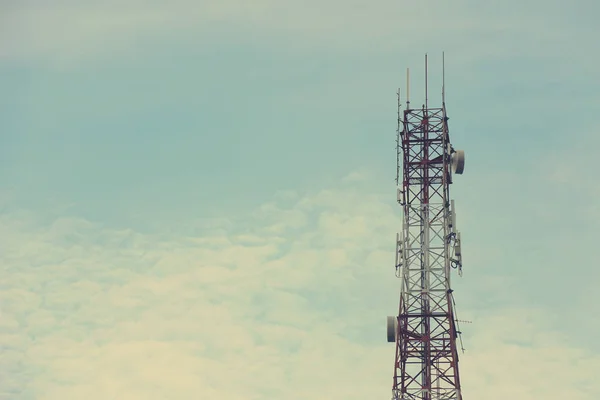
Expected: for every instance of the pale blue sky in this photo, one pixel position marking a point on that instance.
(140, 140)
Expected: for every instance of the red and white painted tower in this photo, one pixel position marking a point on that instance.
(428, 248)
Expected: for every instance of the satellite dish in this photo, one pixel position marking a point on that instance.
(458, 162)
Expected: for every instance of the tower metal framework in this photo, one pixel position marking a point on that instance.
(428, 248)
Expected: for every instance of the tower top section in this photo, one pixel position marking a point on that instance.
(426, 103)
(423, 138)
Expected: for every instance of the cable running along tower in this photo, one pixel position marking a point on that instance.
(428, 248)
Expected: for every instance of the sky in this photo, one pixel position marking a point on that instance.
(197, 199)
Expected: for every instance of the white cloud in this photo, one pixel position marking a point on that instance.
(516, 354)
(288, 303)
(356, 176)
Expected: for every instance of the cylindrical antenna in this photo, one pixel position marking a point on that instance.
(407, 88)
(443, 79)
(426, 100)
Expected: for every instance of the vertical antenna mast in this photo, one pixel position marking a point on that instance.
(427, 249)
(443, 80)
(426, 100)
(407, 89)
(399, 122)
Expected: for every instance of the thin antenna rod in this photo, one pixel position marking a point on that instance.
(407, 88)
(426, 100)
(443, 79)
(398, 133)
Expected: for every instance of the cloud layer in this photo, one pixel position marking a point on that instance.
(287, 302)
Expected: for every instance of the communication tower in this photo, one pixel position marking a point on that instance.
(428, 248)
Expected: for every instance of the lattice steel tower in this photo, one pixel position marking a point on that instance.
(425, 330)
